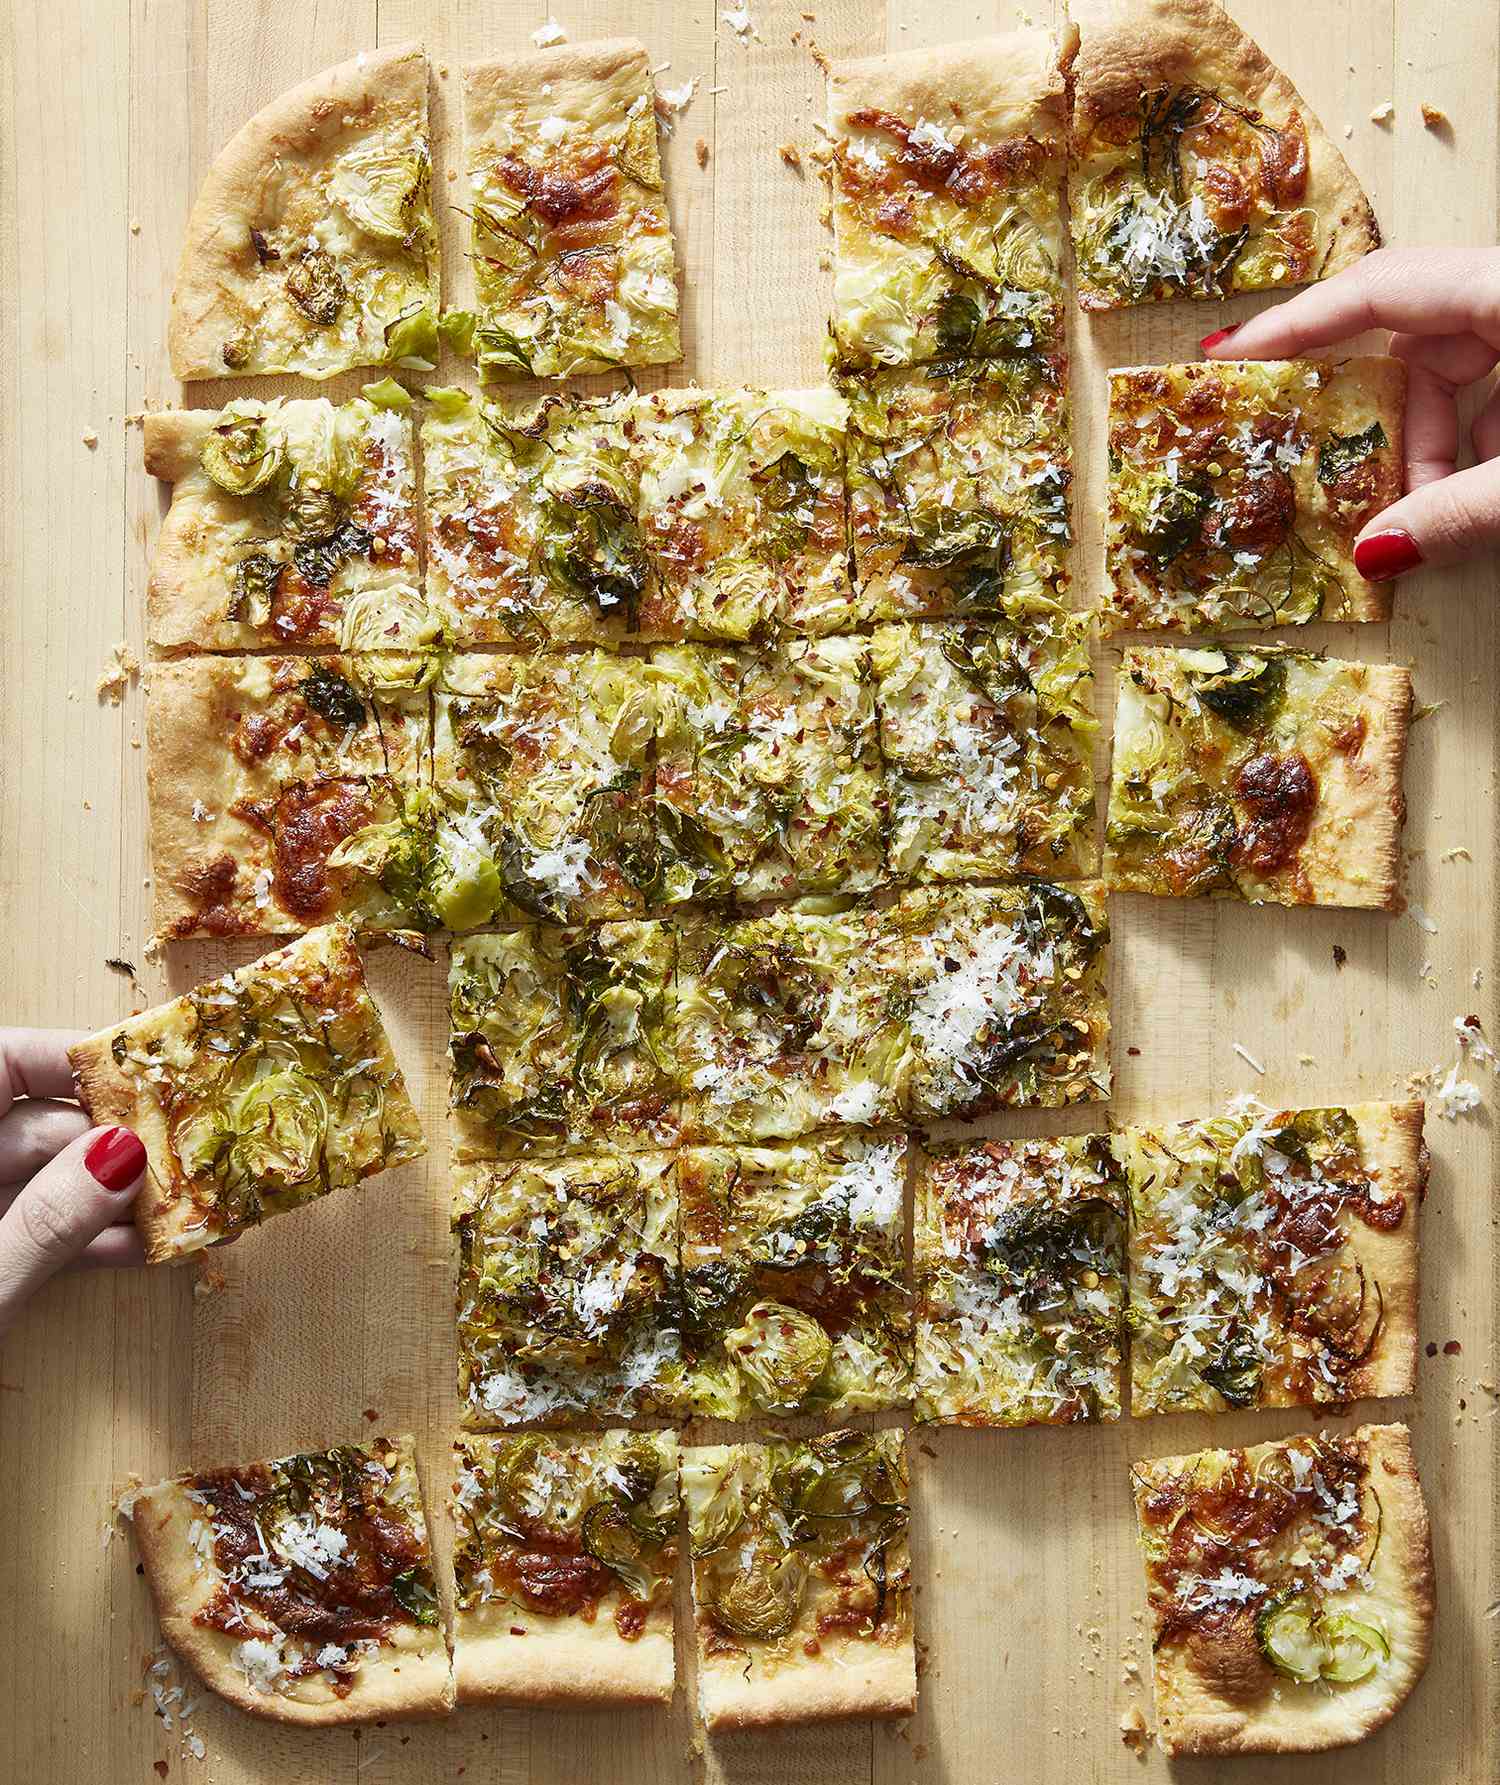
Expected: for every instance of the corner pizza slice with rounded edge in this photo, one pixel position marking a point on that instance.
(568, 1302)
(293, 524)
(1236, 490)
(1005, 998)
(1273, 1256)
(1270, 775)
(538, 765)
(564, 1562)
(948, 167)
(789, 1022)
(253, 1094)
(286, 791)
(793, 1277)
(1019, 1259)
(574, 266)
(562, 1038)
(801, 1579)
(1290, 1589)
(767, 779)
(311, 246)
(986, 729)
(301, 1589)
(1196, 169)
(958, 488)
(532, 535)
(742, 512)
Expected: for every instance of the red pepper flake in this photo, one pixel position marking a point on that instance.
(371, 1415)
(1432, 1347)
(516, 1630)
(1340, 955)
(160, 1768)
(1134, 1052)
(1452, 1348)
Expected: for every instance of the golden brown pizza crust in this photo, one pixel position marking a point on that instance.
(163, 1220)
(172, 441)
(571, 71)
(1004, 86)
(1283, 1717)
(512, 1656)
(849, 1679)
(1352, 856)
(218, 258)
(1390, 1137)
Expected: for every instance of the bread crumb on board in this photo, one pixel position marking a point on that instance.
(791, 155)
(1435, 118)
(117, 675)
(700, 149)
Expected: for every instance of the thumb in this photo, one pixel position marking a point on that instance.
(1443, 522)
(85, 1188)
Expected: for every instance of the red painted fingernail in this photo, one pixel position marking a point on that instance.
(1209, 342)
(116, 1159)
(1380, 556)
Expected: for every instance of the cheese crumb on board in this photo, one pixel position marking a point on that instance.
(117, 675)
(546, 35)
(1383, 113)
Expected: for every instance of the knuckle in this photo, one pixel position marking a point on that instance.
(47, 1220)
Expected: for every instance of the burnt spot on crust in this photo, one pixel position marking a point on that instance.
(312, 819)
(209, 888)
(1280, 794)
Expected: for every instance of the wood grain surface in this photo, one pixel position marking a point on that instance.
(1030, 1598)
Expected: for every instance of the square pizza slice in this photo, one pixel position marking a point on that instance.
(958, 488)
(561, 1039)
(1005, 998)
(793, 1277)
(1197, 169)
(532, 536)
(301, 1589)
(1236, 490)
(789, 1022)
(253, 1094)
(948, 168)
(1020, 1273)
(986, 728)
(564, 1560)
(1273, 1257)
(538, 765)
(767, 780)
(282, 792)
(1290, 1590)
(801, 1579)
(1270, 775)
(292, 524)
(742, 512)
(572, 243)
(568, 1304)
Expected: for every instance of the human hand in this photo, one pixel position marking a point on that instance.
(65, 1187)
(1444, 306)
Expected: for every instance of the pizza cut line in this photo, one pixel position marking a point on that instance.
(301, 1589)
(253, 1095)
(1271, 775)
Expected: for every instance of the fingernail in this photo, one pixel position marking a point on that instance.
(1209, 342)
(116, 1159)
(1380, 556)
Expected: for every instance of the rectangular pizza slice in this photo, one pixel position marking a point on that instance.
(1005, 998)
(253, 1094)
(789, 1022)
(281, 791)
(538, 763)
(564, 1558)
(292, 524)
(568, 1303)
(958, 488)
(572, 244)
(301, 1589)
(1271, 775)
(1290, 1590)
(986, 728)
(532, 536)
(801, 1579)
(793, 1277)
(1196, 167)
(562, 1039)
(1019, 1260)
(1273, 1257)
(948, 167)
(767, 780)
(742, 512)
(1236, 490)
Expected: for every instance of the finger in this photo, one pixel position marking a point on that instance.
(1431, 428)
(117, 1248)
(1457, 359)
(1485, 433)
(34, 1063)
(89, 1186)
(1440, 523)
(33, 1132)
(1431, 291)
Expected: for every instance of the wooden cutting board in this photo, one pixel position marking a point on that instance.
(1030, 1599)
